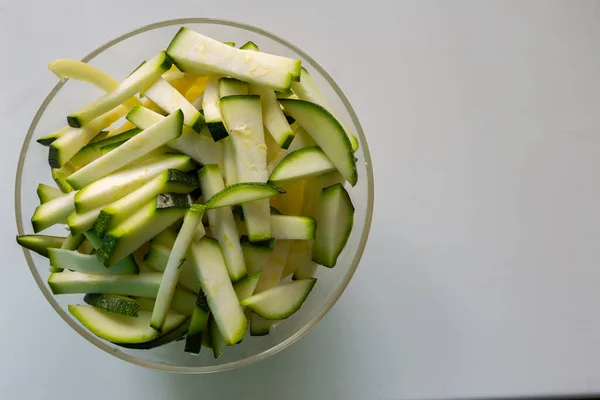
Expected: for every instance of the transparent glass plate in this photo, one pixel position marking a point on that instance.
(118, 58)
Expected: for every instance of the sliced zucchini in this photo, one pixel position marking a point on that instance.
(197, 328)
(201, 148)
(67, 145)
(170, 100)
(281, 301)
(194, 52)
(86, 248)
(47, 140)
(306, 89)
(336, 218)
(301, 140)
(271, 275)
(157, 258)
(60, 178)
(143, 285)
(229, 166)
(97, 149)
(299, 255)
(331, 179)
(231, 87)
(305, 270)
(256, 256)
(46, 193)
(132, 233)
(222, 223)
(273, 269)
(327, 132)
(245, 288)
(112, 303)
(292, 227)
(40, 243)
(259, 326)
(216, 338)
(163, 339)
(136, 147)
(53, 212)
(177, 257)
(273, 117)
(121, 328)
(80, 223)
(183, 302)
(216, 285)
(89, 264)
(212, 109)
(165, 238)
(125, 181)
(249, 45)
(169, 181)
(72, 242)
(290, 203)
(242, 115)
(93, 239)
(140, 79)
(240, 193)
(289, 227)
(78, 70)
(302, 164)
(117, 138)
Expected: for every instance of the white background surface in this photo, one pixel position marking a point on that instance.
(481, 276)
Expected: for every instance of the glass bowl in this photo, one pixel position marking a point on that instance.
(119, 57)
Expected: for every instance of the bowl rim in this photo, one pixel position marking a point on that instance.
(307, 326)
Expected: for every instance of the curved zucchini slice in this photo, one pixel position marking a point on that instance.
(240, 193)
(336, 218)
(281, 301)
(302, 164)
(121, 328)
(306, 89)
(327, 132)
(163, 339)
